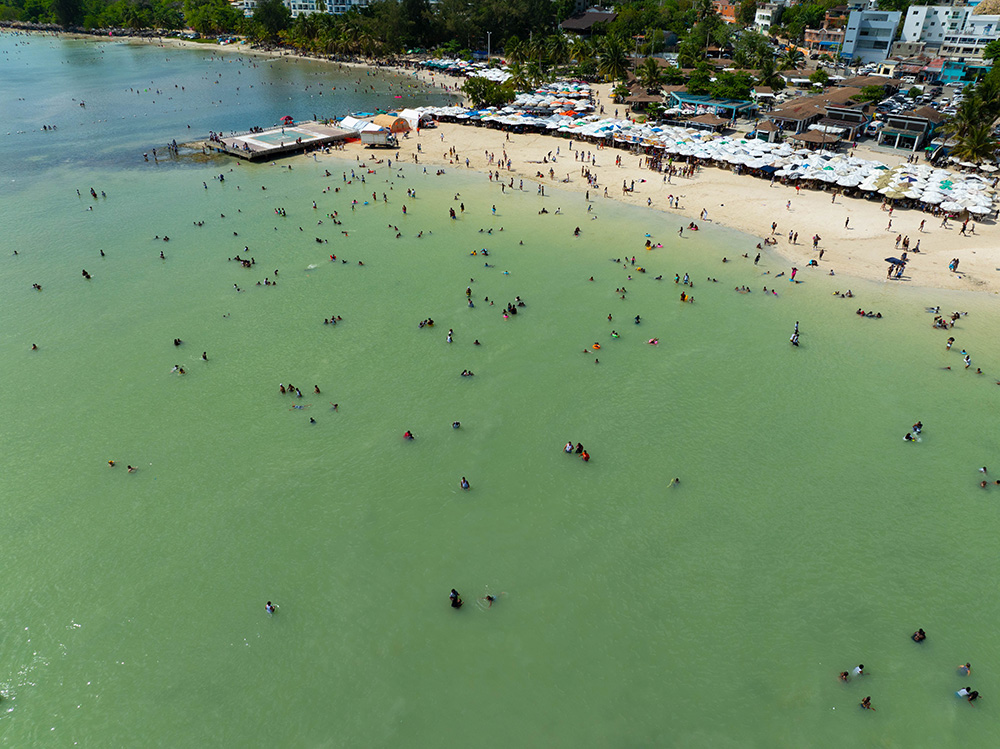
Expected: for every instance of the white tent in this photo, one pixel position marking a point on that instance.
(353, 123)
(414, 117)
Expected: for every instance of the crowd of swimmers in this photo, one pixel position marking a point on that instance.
(578, 450)
(964, 670)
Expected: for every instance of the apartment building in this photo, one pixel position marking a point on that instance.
(305, 7)
(869, 34)
(969, 41)
(767, 16)
(930, 23)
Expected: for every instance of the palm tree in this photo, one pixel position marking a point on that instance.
(766, 75)
(702, 8)
(688, 56)
(977, 144)
(518, 76)
(650, 75)
(582, 50)
(792, 59)
(613, 58)
(515, 50)
(968, 115)
(558, 49)
(534, 73)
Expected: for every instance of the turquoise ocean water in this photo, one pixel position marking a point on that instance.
(805, 536)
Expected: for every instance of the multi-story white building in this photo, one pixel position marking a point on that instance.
(305, 7)
(767, 15)
(869, 34)
(969, 41)
(930, 23)
(956, 32)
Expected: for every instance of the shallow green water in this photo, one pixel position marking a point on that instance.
(805, 536)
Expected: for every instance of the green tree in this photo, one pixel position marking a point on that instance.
(612, 58)
(700, 81)
(871, 93)
(515, 50)
(819, 77)
(485, 93)
(673, 76)
(746, 14)
(67, 12)
(977, 145)
(751, 48)
(518, 76)
(992, 51)
(734, 85)
(271, 17)
(767, 76)
(792, 59)
(557, 49)
(650, 74)
(210, 17)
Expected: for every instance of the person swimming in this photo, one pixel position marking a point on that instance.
(866, 703)
(407, 435)
(464, 483)
(270, 607)
(568, 448)
(919, 636)
(965, 669)
(490, 600)
(455, 598)
(456, 424)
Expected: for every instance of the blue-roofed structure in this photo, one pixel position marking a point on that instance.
(702, 104)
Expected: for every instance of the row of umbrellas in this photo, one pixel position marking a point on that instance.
(547, 108)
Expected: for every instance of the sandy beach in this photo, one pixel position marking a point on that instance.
(855, 234)
(741, 202)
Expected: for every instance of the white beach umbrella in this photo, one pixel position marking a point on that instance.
(952, 206)
(932, 198)
(979, 209)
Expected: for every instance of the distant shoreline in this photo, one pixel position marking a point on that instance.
(394, 64)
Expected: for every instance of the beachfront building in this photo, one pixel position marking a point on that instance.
(726, 9)
(968, 42)
(869, 35)
(830, 35)
(910, 130)
(930, 23)
(767, 15)
(305, 7)
(860, 81)
(582, 24)
(698, 104)
(955, 32)
(908, 49)
(835, 112)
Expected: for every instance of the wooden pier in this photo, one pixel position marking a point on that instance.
(279, 141)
